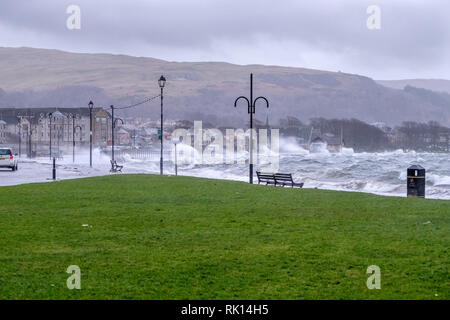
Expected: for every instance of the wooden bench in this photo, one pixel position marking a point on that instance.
(115, 167)
(266, 178)
(277, 179)
(285, 179)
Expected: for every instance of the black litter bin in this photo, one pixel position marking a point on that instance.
(416, 182)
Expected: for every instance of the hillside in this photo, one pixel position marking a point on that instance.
(203, 90)
(438, 85)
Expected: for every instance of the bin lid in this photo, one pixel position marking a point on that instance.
(416, 167)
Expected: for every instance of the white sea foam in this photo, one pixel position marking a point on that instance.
(438, 180)
(379, 173)
(290, 146)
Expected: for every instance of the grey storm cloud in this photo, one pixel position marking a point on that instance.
(414, 38)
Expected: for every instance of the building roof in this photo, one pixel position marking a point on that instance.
(58, 114)
(317, 140)
(10, 115)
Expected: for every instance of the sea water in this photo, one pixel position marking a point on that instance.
(381, 173)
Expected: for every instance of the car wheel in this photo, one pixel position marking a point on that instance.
(17, 167)
(13, 168)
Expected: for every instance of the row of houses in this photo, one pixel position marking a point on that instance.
(39, 126)
(36, 128)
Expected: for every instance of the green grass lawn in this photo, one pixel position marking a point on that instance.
(152, 237)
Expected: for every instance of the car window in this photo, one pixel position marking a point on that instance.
(4, 152)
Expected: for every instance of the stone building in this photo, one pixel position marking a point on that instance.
(34, 128)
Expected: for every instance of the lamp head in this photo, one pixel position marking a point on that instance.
(162, 82)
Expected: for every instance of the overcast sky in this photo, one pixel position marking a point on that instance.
(413, 42)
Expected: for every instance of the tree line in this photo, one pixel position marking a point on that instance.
(364, 137)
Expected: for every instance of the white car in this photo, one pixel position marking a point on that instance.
(8, 159)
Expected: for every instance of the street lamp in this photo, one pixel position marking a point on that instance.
(30, 134)
(113, 126)
(73, 138)
(50, 117)
(91, 106)
(28, 116)
(251, 110)
(19, 127)
(73, 117)
(162, 83)
(175, 142)
(59, 122)
(54, 116)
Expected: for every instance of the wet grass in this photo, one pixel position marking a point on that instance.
(152, 237)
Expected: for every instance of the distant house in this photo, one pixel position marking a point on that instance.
(151, 131)
(123, 137)
(317, 145)
(326, 142)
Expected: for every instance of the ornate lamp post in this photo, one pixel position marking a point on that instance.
(30, 142)
(162, 83)
(19, 127)
(175, 142)
(113, 126)
(81, 135)
(251, 110)
(50, 117)
(73, 117)
(58, 121)
(24, 128)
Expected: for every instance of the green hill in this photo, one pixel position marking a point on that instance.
(202, 90)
